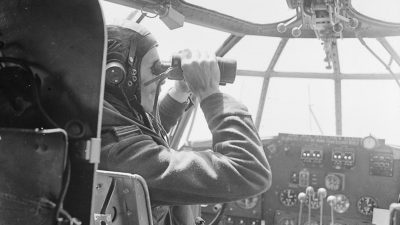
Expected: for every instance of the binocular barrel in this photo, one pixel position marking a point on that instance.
(226, 66)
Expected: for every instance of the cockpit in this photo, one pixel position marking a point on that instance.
(321, 79)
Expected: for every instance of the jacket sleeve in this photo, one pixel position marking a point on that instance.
(170, 110)
(234, 169)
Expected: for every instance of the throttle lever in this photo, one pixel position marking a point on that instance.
(321, 196)
(302, 199)
(332, 202)
(310, 194)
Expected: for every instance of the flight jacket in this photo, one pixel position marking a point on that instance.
(235, 168)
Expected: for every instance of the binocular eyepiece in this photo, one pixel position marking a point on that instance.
(227, 69)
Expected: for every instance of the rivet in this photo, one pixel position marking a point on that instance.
(99, 186)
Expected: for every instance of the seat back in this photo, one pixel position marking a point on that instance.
(32, 164)
(121, 199)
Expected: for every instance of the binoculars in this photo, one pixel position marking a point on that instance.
(227, 69)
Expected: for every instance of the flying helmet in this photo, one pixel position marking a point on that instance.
(126, 47)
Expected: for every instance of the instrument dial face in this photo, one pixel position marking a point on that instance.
(332, 182)
(314, 202)
(369, 142)
(366, 205)
(342, 203)
(287, 221)
(248, 203)
(288, 197)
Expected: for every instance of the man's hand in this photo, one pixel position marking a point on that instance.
(201, 72)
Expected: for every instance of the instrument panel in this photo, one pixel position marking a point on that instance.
(346, 175)
(343, 177)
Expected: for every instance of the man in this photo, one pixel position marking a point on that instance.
(134, 141)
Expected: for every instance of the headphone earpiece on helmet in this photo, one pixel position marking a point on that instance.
(115, 73)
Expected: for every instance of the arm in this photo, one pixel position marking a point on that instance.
(172, 106)
(236, 167)
(170, 111)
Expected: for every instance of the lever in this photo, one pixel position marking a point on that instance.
(321, 196)
(302, 199)
(310, 194)
(332, 202)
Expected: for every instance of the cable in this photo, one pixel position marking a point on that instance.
(35, 89)
(66, 176)
(219, 215)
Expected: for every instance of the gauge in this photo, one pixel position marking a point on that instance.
(314, 202)
(366, 205)
(369, 142)
(247, 203)
(287, 221)
(342, 203)
(333, 182)
(288, 197)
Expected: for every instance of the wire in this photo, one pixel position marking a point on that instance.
(218, 217)
(67, 178)
(66, 175)
(35, 89)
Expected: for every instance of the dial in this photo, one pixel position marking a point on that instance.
(247, 203)
(342, 203)
(288, 197)
(287, 221)
(333, 182)
(314, 202)
(366, 205)
(369, 142)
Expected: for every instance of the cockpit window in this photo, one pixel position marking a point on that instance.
(255, 11)
(300, 95)
(386, 10)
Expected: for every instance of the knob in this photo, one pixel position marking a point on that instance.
(331, 200)
(322, 192)
(353, 22)
(296, 31)
(310, 191)
(302, 197)
(281, 28)
(338, 27)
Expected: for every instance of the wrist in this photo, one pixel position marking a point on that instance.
(178, 96)
(205, 94)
